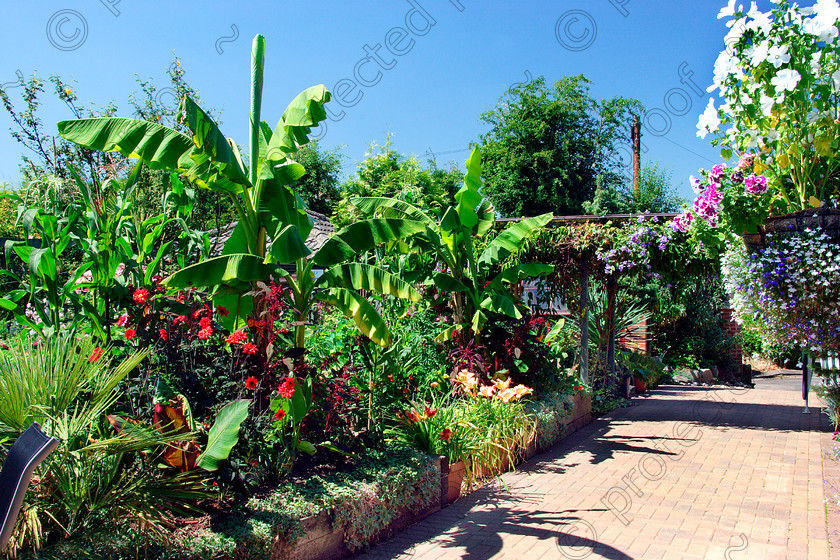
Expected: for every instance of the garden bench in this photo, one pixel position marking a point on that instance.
(32, 447)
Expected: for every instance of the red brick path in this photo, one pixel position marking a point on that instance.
(687, 472)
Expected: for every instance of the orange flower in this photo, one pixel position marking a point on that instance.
(467, 380)
(501, 385)
(486, 391)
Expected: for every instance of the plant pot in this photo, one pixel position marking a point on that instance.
(791, 225)
(455, 479)
(639, 385)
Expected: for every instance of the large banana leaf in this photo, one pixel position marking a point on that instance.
(511, 240)
(363, 236)
(210, 140)
(377, 206)
(502, 304)
(157, 146)
(224, 434)
(279, 206)
(303, 113)
(468, 198)
(288, 246)
(231, 270)
(360, 276)
(361, 311)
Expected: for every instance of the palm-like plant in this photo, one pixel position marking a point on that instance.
(477, 292)
(273, 223)
(68, 384)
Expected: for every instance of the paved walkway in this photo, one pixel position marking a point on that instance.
(687, 472)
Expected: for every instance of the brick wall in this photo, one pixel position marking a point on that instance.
(733, 329)
(638, 339)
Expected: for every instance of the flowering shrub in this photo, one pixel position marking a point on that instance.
(779, 77)
(791, 289)
(730, 201)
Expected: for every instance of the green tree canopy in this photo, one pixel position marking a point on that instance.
(656, 194)
(549, 145)
(320, 186)
(388, 174)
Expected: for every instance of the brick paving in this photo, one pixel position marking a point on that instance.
(687, 472)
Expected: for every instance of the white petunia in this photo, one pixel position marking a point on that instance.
(730, 10)
(816, 67)
(827, 12)
(778, 55)
(786, 80)
(708, 121)
(760, 53)
(766, 103)
(760, 20)
(836, 78)
(771, 135)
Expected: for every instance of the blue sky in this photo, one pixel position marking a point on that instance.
(455, 59)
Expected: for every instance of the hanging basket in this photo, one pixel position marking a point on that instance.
(792, 225)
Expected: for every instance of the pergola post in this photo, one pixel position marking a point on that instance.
(612, 289)
(584, 324)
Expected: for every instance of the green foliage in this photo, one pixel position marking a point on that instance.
(97, 475)
(319, 187)
(549, 144)
(385, 173)
(692, 333)
(549, 410)
(829, 390)
(656, 194)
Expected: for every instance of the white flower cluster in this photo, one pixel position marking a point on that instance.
(769, 61)
(791, 289)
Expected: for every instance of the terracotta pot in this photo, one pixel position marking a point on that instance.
(639, 385)
(791, 225)
(455, 479)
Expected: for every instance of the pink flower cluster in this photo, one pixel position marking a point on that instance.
(708, 202)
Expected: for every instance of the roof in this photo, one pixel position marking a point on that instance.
(321, 231)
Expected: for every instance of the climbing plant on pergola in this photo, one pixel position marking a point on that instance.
(606, 248)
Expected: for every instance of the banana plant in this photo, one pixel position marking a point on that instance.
(477, 292)
(273, 223)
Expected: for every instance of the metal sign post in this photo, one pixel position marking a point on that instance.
(807, 364)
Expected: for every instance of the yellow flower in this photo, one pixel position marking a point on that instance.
(67, 91)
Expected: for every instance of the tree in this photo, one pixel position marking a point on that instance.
(477, 289)
(385, 173)
(319, 188)
(548, 146)
(656, 194)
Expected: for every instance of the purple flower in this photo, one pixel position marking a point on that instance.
(756, 184)
(737, 177)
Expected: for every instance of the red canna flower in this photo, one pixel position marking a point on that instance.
(141, 296)
(205, 333)
(95, 355)
(237, 337)
(287, 388)
(280, 414)
(249, 348)
(251, 382)
(178, 320)
(205, 322)
(446, 434)
(198, 313)
(130, 333)
(164, 336)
